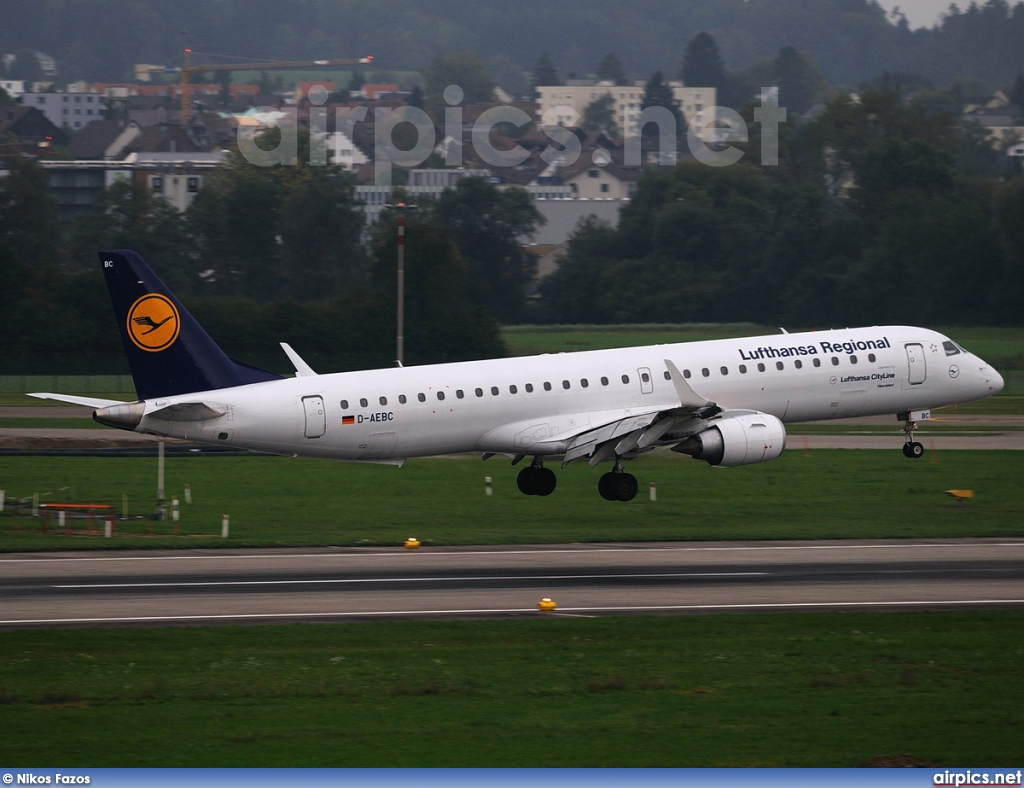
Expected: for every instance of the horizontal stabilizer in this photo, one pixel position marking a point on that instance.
(189, 411)
(89, 402)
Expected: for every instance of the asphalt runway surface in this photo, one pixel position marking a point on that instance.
(275, 586)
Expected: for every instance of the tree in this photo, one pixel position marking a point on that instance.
(800, 83)
(127, 215)
(544, 72)
(321, 228)
(658, 93)
(489, 226)
(702, 64)
(599, 115)
(463, 69)
(441, 324)
(1017, 93)
(611, 69)
(29, 220)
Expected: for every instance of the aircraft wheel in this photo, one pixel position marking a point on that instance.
(915, 450)
(544, 481)
(906, 450)
(626, 486)
(527, 481)
(605, 486)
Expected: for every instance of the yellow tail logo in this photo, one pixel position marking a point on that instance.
(153, 323)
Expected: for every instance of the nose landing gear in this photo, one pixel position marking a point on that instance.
(911, 448)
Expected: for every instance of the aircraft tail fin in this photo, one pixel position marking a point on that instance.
(168, 351)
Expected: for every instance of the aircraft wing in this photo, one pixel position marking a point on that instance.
(89, 402)
(608, 434)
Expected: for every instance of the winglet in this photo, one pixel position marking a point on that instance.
(302, 369)
(688, 398)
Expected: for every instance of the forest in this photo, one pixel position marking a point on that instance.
(851, 41)
(880, 210)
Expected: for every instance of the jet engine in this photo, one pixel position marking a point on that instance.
(737, 440)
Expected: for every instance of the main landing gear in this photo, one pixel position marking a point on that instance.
(536, 479)
(911, 448)
(617, 485)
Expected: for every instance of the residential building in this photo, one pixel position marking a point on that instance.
(176, 177)
(104, 139)
(73, 110)
(565, 104)
(14, 88)
(29, 126)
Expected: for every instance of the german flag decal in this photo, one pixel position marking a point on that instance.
(348, 420)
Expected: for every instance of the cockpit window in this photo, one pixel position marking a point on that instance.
(950, 348)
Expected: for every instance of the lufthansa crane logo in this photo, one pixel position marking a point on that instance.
(153, 323)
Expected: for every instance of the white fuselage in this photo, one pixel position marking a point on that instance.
(534, 405)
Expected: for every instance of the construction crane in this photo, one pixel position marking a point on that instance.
(187, 70)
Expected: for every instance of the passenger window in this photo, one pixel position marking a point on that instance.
(344, 404)
(584, 383)
(625, 379)
(440, 395)
(706, 372)
(871, 358)
(779, 365)
(383, 400)
(494, 391)
(645, 377)
(760, 367)
(547, 386)
(565, 385)
(798, 364)
(725, 370)
(402, 398)
(421, 397)
(604, 381)
(529, 388)
(835, 361)
(817, 362)
(479, 392)
(459, 393)
(513, 390)
(743, 369)
(363, 402)
(667, 375)
(686, 374)
(853, 359)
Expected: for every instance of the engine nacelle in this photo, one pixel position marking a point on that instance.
(740, 440)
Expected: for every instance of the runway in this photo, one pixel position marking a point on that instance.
(266, 586)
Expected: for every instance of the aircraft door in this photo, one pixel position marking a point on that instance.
(646, 381)
(916, 362)
(316, 416)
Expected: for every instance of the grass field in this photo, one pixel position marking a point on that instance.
(281, 501)
(810, 689)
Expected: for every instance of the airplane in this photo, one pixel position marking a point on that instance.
(725, 401)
